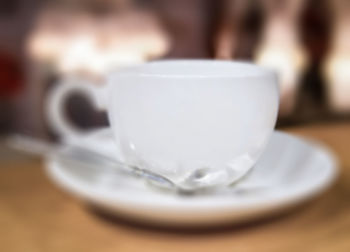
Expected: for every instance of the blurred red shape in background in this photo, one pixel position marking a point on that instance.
(11, 76)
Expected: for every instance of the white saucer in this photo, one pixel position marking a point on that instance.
(290, 171)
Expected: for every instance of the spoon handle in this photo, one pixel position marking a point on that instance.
(85, 157)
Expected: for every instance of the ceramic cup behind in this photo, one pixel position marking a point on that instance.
(198, 122)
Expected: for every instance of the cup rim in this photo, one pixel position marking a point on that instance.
(250, 69)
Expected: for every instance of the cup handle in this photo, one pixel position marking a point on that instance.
(56, 100)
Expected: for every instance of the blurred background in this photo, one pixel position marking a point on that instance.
(306, 41)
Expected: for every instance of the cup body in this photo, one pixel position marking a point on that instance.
(199, 123)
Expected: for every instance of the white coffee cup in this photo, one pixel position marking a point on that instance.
(198, 122)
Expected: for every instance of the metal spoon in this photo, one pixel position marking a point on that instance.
(89, 159)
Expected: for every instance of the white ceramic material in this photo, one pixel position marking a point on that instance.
(199, 123)
(290, 171)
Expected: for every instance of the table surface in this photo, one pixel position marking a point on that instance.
(36, 216)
